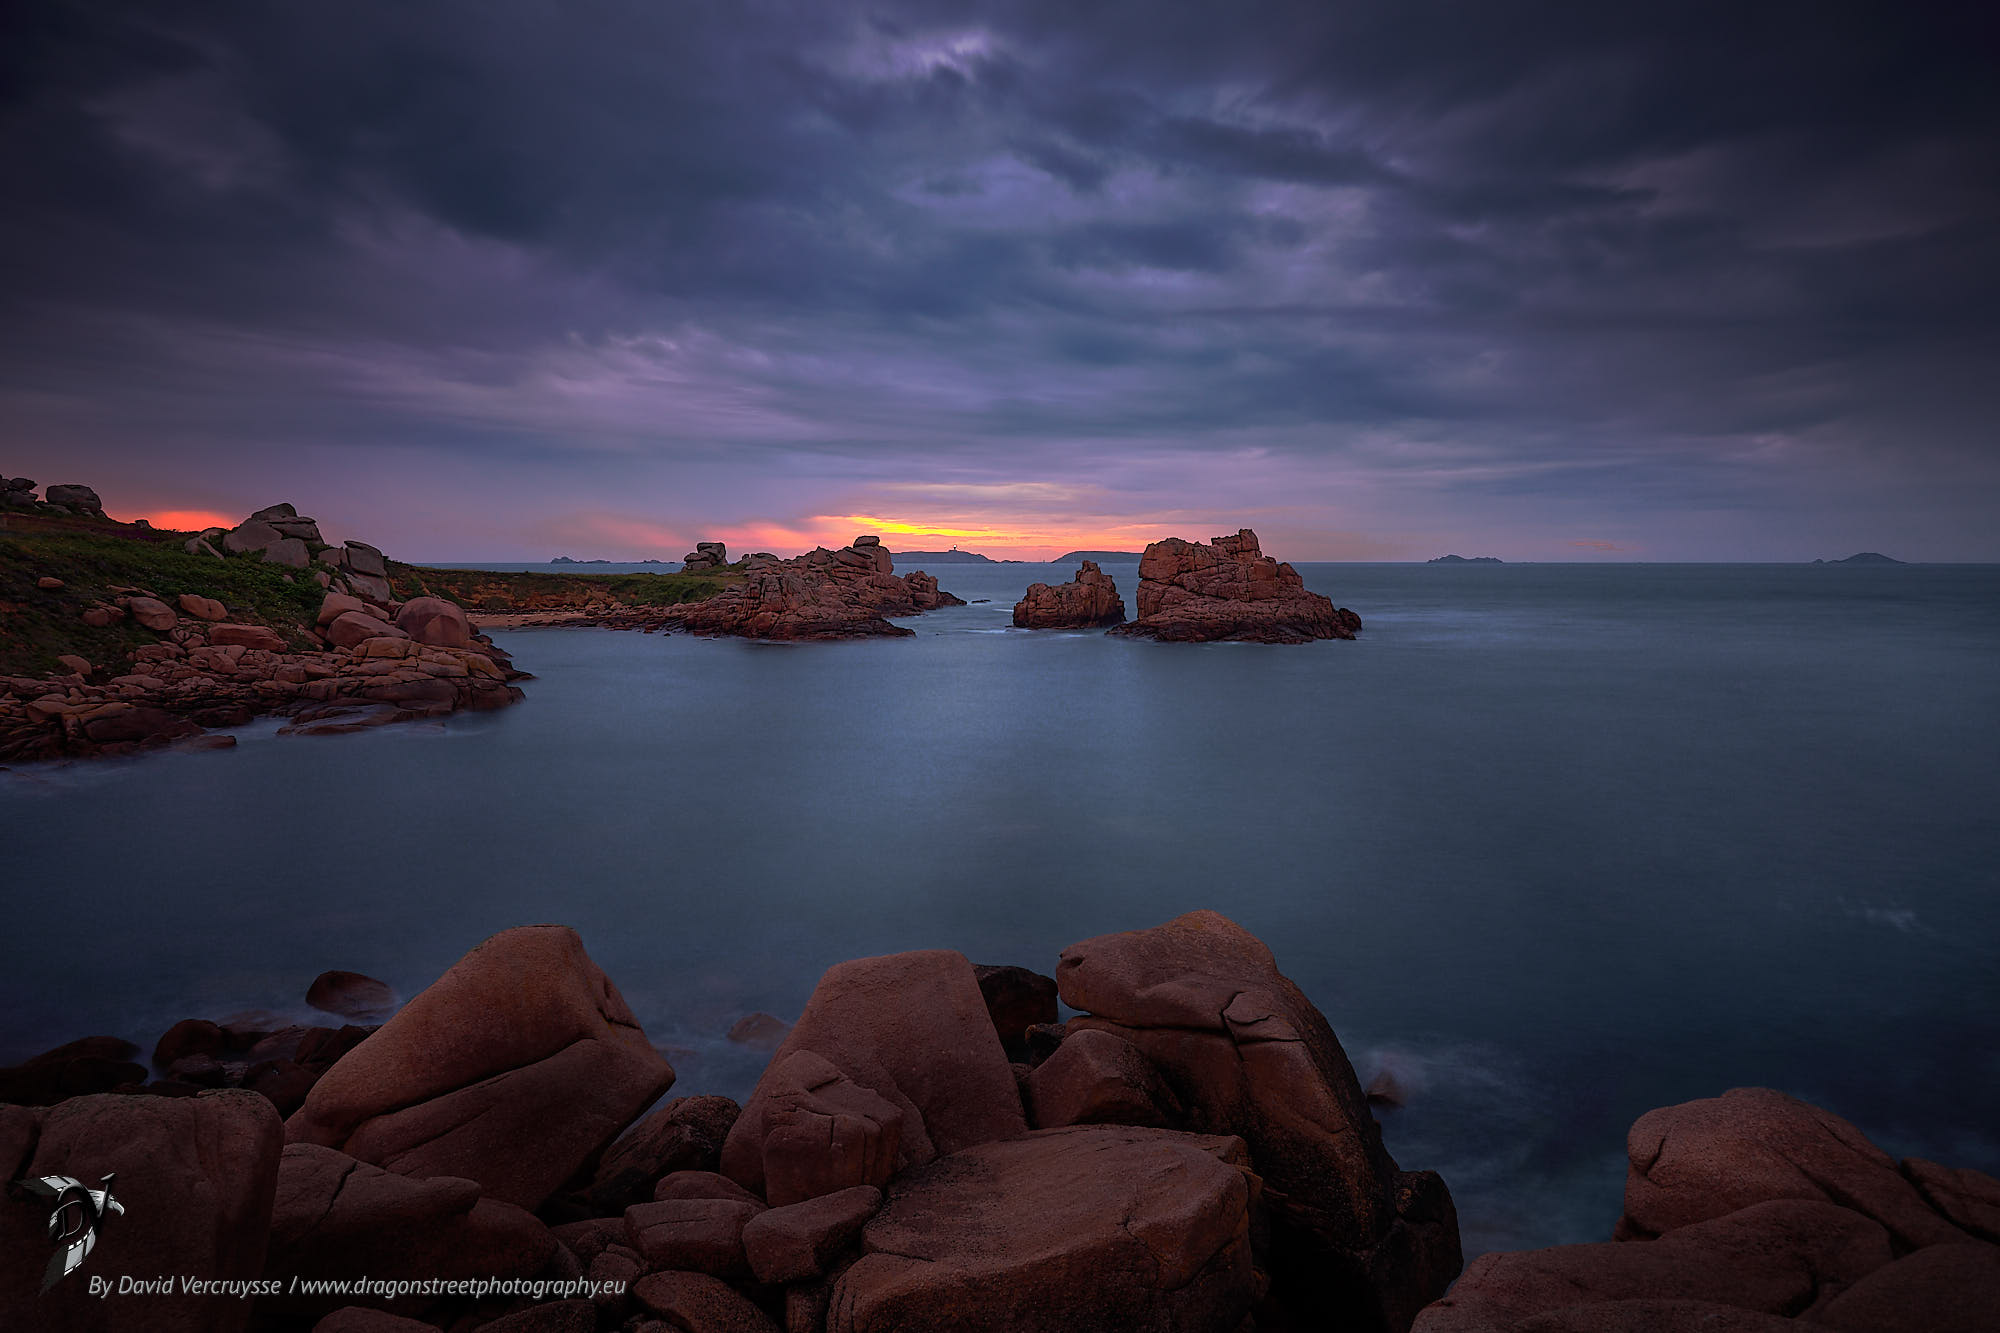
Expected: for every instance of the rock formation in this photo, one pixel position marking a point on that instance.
(822, 594)
(1090, 599)
(704, 557)
(1194, 1157)
(1749, 1211)
(1229, 589)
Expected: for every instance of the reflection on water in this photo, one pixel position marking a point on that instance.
(1557, 843)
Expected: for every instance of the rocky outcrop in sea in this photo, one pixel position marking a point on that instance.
(1088, 600)
(822, 594)
(1229, 590)
(928, 1148)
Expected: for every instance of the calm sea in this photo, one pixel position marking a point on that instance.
(1553, 844)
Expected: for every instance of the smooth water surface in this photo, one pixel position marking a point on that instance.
(1553, 844)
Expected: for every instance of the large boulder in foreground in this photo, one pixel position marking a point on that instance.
(1229, 589)
(896, 1059)
(1245, 1053)
(195, 1177)
(822, 594)
(1096, 1229)
(435, 621)
(524, 1041)
(336, 1217)
(1704, 1158)
(1090, 599)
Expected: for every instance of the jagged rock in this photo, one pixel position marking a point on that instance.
(524, 1040)
(910, 1030)
(1704, 1158)
(820, 595)
(705, 556)
(195, 1177)
(1095, 1229)
(1229, 589)
(1247, 1054)
(1090, 599)
(336, 1217)
(1778, 1257)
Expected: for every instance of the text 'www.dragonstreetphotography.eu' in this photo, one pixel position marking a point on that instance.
(381, 1288)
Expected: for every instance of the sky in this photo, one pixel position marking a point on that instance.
(1381, 279)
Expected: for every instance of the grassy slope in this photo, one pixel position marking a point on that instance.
(485, 590)
(92, 557)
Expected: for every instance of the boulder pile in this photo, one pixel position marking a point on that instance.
(1229, 590)
(1088, 600)
(1192, 1154)
(704, 557)
(1755, 1212)
(365, 661)
(70, 500)
(822, 594)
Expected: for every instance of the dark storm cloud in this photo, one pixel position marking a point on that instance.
(1542, 254)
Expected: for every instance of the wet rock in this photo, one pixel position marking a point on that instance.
(352, 995)
(1704, 1158)
(1097, 1228)
(902, 1040)
(1247, 1054)
(1090, 599)
(524, 1040)
(190, 1036)
(195, 1177)
(1229, 589)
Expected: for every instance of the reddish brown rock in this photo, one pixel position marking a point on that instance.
(360, 1319)
(702, 1185)
(1655, 1317)
(74, 1069)
(1097, 1229)
(817, 1131)
(1096, 1078)
(697, 1303)
(152, 613)
(692, 1235)
(1943, 1289)
(820, 595)
(1969, 1199)
(203, 608)
(435, 621)
(1229, 589)
(49, 583)
(1247, 1054)
(549, 1317)
(1704, 1158)
(910, 1030)
(524, 1040)
(1016, 999)
(352, 995)
(1089, 599)
(190, 1036)
(800, 1241)
(686, 1134)
(336, 1217)
(249, 636)
(763, 1032)
(195, 1177)
(1775, 1258)
(704, 557)
(353, 627)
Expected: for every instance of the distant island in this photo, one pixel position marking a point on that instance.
(952, 557)
(1862, 558)
(568, 560)
(1465, 560)
(1099, 556)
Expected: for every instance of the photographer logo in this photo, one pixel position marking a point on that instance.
(75, 1214)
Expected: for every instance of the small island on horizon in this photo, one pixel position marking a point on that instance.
(1863, 558)
(952, 557)
(1465, 560)
(1099, 556)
